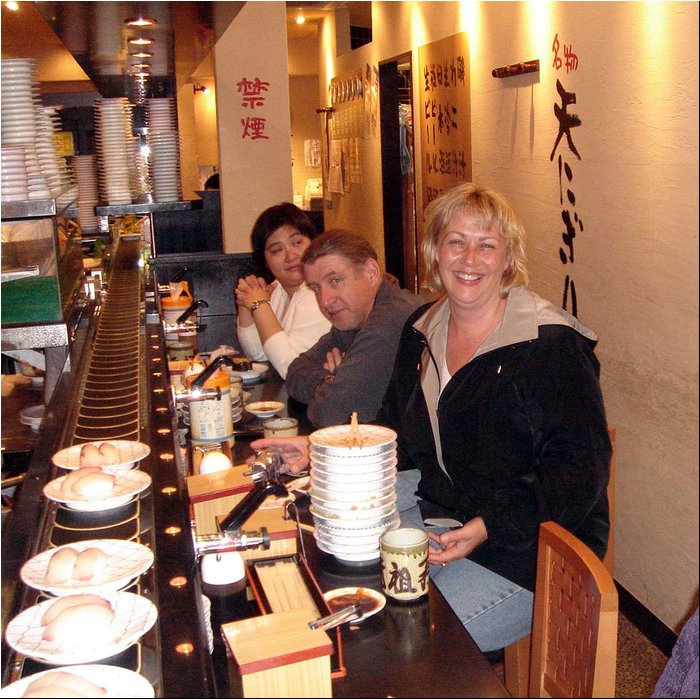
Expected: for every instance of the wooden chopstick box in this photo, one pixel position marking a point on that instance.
(278, 655)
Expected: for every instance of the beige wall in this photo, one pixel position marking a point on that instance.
(306, 124)
(255, 174)
(636, 189)
(205, 120)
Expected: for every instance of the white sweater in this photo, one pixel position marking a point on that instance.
(302, 324)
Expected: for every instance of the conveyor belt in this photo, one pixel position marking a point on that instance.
(113, 388)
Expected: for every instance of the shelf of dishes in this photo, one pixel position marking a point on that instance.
(146, 207)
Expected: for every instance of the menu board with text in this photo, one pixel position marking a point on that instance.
(445, 115)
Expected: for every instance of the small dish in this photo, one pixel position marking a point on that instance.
(129, 453)
(126, 560)
(252, 374)
(134, 615)
(370, 600)
(265, 408)
(118, 681)
(128, 484)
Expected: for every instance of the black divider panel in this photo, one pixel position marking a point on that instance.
(212, 277)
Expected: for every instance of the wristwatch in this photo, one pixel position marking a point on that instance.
(256, 304)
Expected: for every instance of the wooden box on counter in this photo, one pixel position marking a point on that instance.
(279, 655)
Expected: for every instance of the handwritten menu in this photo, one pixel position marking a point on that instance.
(445, 115)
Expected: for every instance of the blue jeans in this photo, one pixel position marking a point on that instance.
(494, 610)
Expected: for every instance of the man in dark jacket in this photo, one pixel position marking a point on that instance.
(348, 369)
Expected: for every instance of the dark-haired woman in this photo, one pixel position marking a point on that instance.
(278, 315)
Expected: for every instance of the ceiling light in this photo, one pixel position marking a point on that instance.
(142, 54)
(140, 21)
(14, 6)
(141, 65)
(201, 88)
(300, 18)
(141, 41)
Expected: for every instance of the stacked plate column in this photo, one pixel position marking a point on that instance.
(21, 110)
(113, 131)
(353, 490)
(164, 142)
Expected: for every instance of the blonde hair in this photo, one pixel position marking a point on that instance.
(489, 210)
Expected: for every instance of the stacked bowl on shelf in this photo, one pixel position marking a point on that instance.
(113, 129)
(85, 170)
(53, 166)
(164, 142)
(22, 130)
(353, 489)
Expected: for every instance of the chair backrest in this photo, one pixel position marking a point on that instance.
(517, 655)
(574, 630)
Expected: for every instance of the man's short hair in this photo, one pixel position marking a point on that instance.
(353, 247)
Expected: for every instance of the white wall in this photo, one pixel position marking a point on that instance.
(636, 260)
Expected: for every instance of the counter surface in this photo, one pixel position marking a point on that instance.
(418, 649)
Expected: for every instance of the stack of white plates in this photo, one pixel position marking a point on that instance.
(141, 185)
(113, 127)
(14, 173)
(85, 170)
(53, 167)
(206, 604)
(165, 165)
(21, 103)
(353, 489)
(236, 407)
(161, 114)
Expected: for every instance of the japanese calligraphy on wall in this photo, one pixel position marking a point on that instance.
(565, 61)
(445, 118)
(253, 96)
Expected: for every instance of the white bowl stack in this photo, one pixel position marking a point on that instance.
(161, 114)
(165, 165)
(21, 105)
(15, 185)
(52, 166)
(164, 142)
(113, 127)
(85, 170)
(353, 489)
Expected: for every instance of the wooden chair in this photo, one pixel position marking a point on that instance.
(516, 662)
(574, 630)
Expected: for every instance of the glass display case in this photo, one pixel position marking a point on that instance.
(42, 267)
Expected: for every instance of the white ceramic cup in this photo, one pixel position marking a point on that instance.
(281, 427)
(222, 568)
(404, 566)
